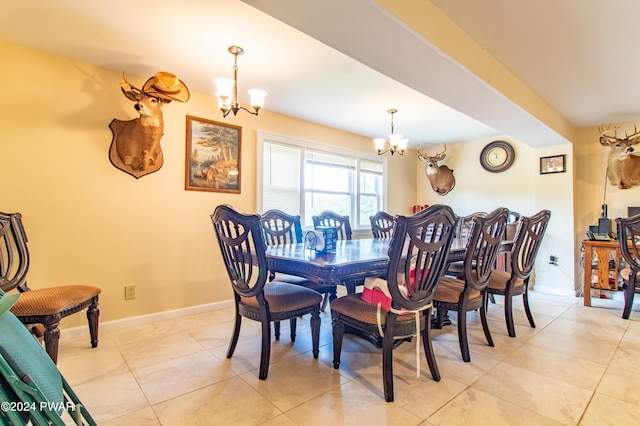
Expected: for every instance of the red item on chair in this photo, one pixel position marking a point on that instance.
(375, 295)
(376, 291)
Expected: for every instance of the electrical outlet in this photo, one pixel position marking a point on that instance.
(129, 292)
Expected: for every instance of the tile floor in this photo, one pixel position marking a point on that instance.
(576, 367)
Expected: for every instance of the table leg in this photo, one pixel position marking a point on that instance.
(586, 285)
(445, 319)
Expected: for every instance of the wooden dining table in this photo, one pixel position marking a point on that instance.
(350, 264)
(352, 260)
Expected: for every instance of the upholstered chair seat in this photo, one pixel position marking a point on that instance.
(41, 309)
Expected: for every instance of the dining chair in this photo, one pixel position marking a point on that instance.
(463, 232)
(467, 292)
(282, 228)
(425, 238)
(381, 225)
(629, 238)
(526, 244)
(513, 222)
(503, 262)
(340, 222)
(42, 307)
(29, 379)
(243, 249)
(343, 232)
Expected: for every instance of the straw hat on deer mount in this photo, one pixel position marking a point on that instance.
(166, 86)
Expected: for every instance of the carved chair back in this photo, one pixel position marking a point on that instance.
(341, 223)
(487, 232)
(527, 242)
(240, 238)
(281, 228)
(381, 225)
(14, 255)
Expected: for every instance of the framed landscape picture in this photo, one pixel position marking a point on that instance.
(553, 164)
(213, 156)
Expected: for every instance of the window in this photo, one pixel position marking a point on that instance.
(371, 178)
(305, 178)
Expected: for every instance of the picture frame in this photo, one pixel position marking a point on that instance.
(212, 156)
(552, 164)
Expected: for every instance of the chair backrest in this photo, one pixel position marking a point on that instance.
(464, 224)
(242, 245)
(425, 238)
(487, 232)
(14, 255)
(629, 238)
(381, 225)
(527, 241)
(329, 218)
(281, 228)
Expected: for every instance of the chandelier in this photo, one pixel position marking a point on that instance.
(227, 90)
(396, 142)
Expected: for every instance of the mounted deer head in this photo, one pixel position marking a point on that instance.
(135, 147)
(623, 169)
(440, 177)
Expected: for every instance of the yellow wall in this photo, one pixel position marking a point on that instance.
(477, 189)
(591, 166)
(89, 222)
(520, 188)
(555, 192)
(590, 180)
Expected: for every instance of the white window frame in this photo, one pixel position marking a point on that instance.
(264, 136)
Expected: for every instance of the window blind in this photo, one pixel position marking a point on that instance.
(281, 178)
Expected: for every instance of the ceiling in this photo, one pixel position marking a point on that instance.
(345, 63)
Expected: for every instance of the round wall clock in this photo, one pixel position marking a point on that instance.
(497, 156)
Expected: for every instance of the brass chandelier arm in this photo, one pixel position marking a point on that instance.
(235, 109)
(392, 150)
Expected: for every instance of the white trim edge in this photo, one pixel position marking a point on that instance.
(83, 331)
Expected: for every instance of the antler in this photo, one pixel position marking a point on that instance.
(627, 137)
(633, 135)
(131, 92)
(603, 132)
(437, 157)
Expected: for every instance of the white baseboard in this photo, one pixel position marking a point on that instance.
(83, 331)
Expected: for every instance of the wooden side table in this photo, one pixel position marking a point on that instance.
(603, 251)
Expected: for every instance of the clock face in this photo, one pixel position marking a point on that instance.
(497, 156)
